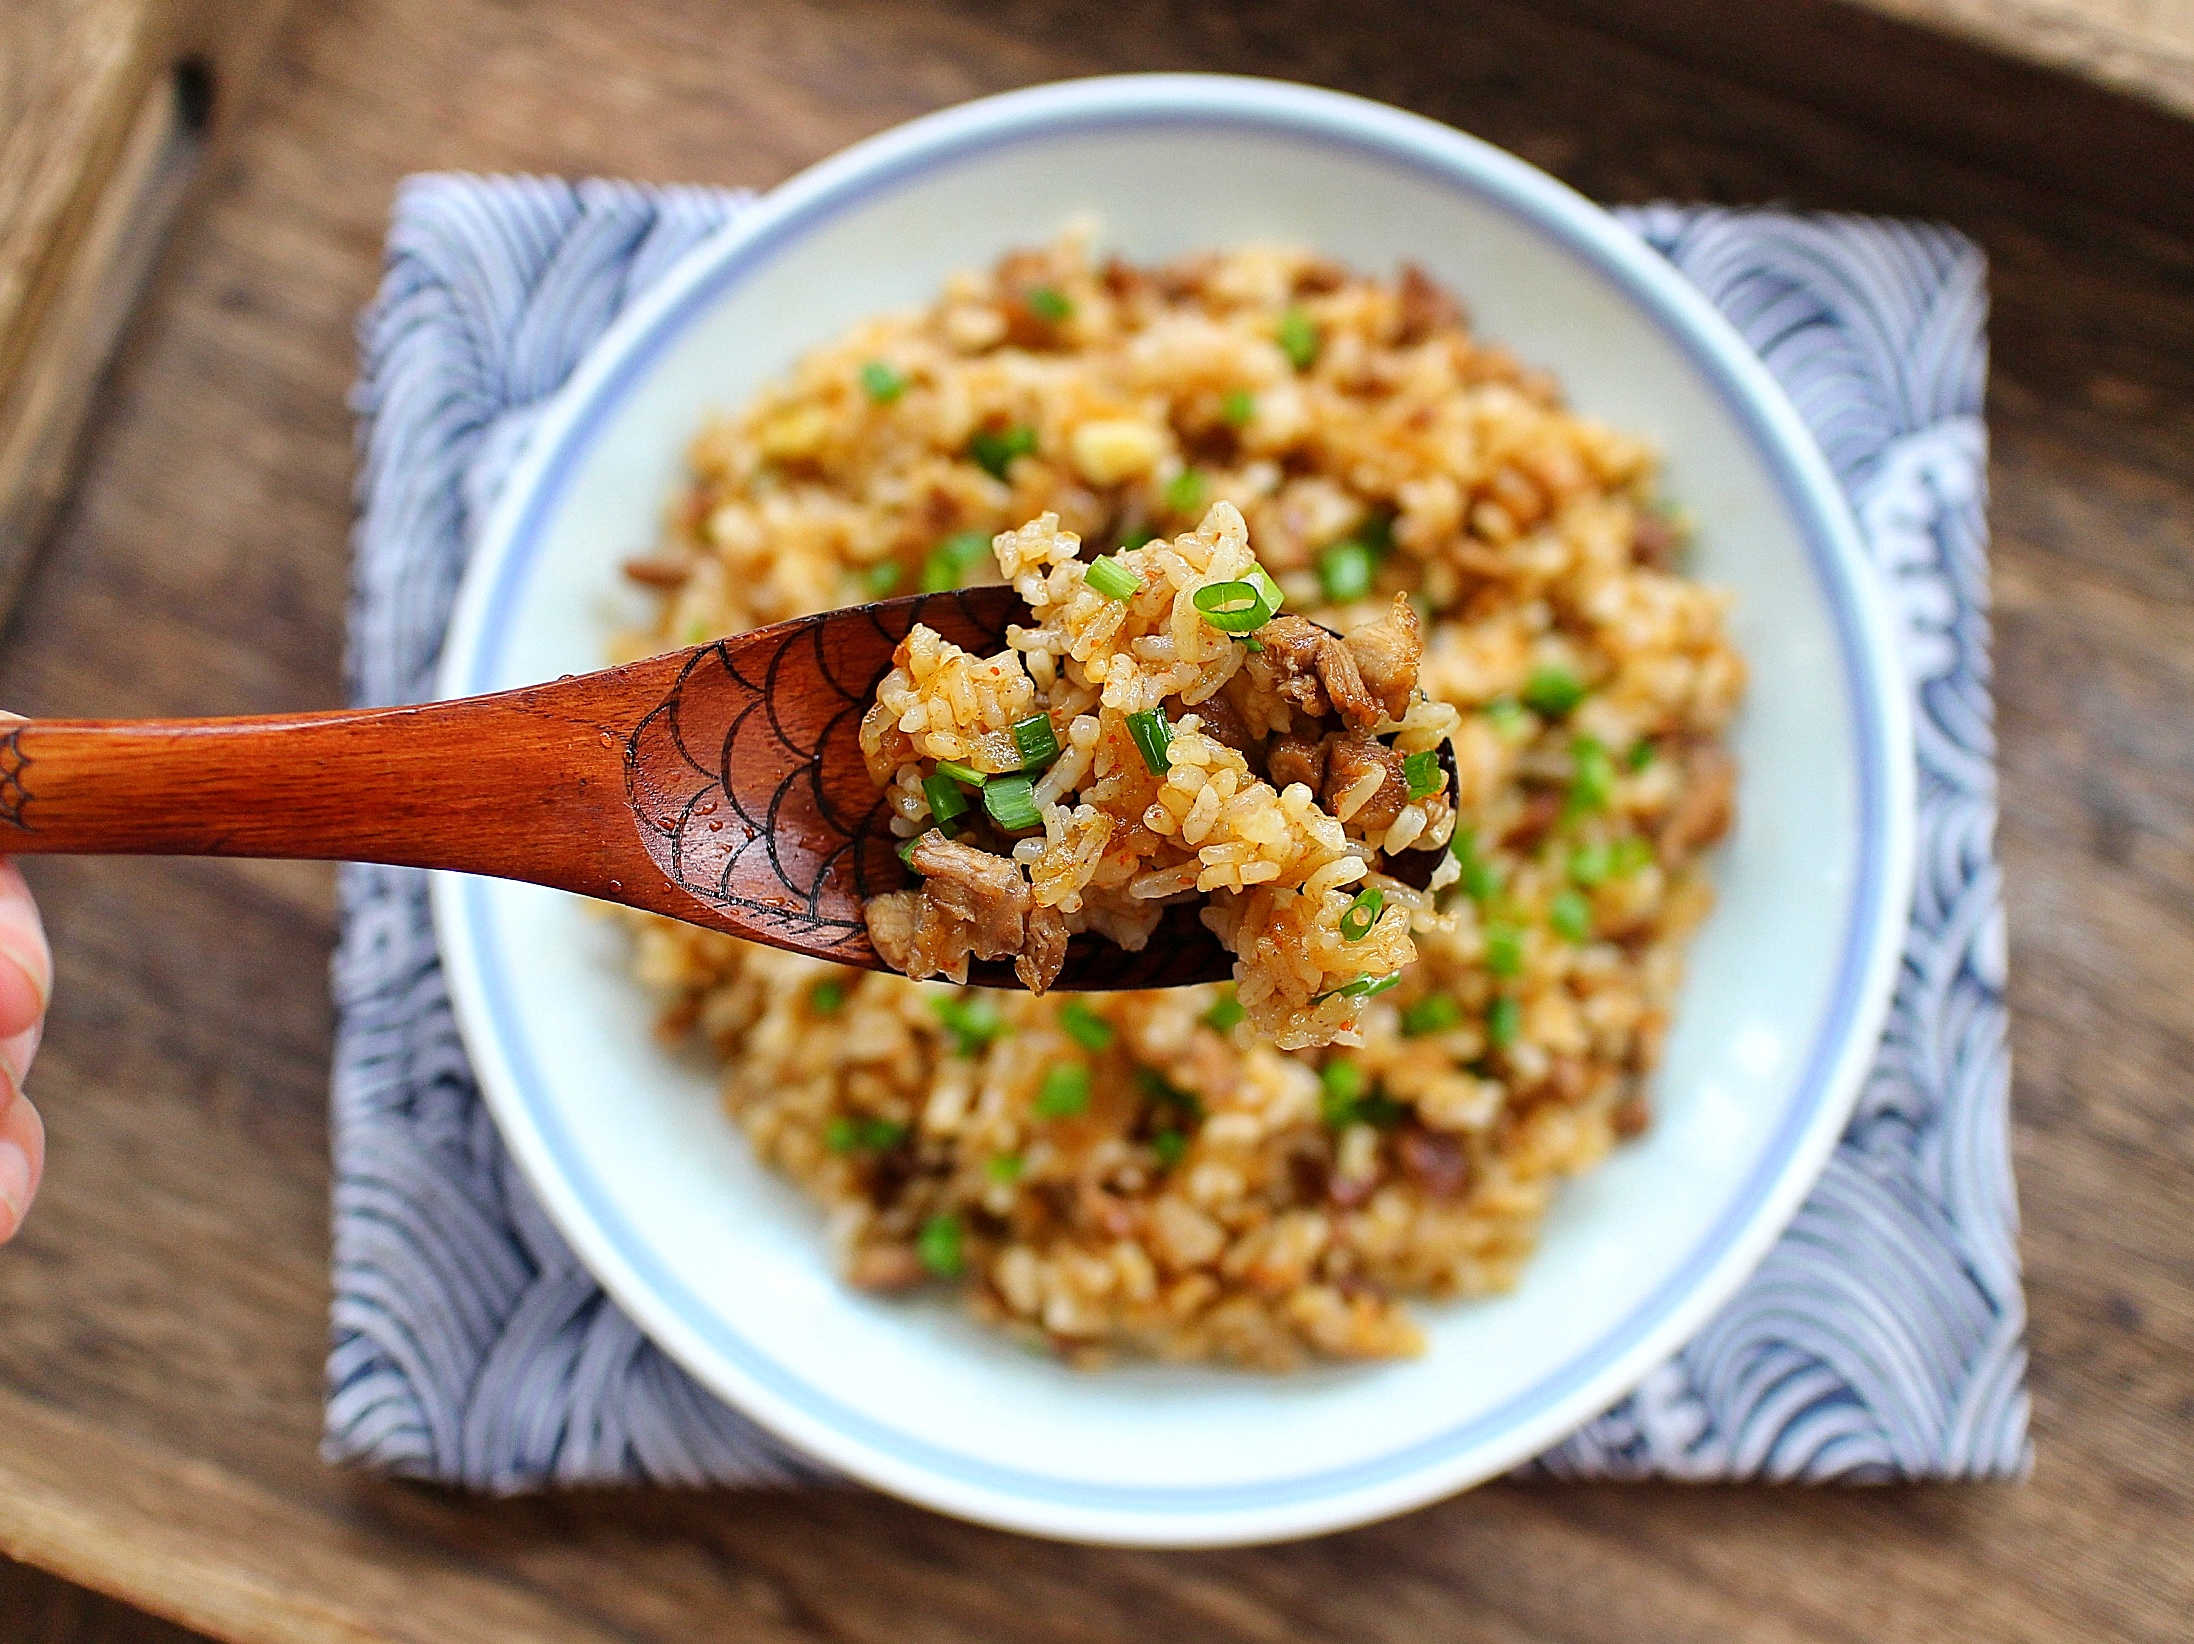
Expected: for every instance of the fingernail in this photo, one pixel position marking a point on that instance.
(14, 1183)
(22, 994)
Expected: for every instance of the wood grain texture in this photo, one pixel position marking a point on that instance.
(2143, 47)
(165, 1308)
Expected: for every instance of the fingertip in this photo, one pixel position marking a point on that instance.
(22, 1162)
(26, 962)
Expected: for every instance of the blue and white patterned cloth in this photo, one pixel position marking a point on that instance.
(1882, 1338)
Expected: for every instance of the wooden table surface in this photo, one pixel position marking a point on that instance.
(163, 1320)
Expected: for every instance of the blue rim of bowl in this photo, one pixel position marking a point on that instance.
(1304, 122)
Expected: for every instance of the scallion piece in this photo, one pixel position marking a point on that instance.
(1363, 913)
(1341, 1084)
(1166, 1093)
(972, 1019)
(949, 562)
(1084, 1026)
(1298, 338)
(1064, 1092)
(1186, 491)
(1011, 801)
(881, 580)
(1423, 774)
(1589, 864)
(1507, 717)
(881, 383)
(1344, 572)
(1233, 607)
(1365, 986)
(906, 854)
(1504, 950)
(946, 801)
(1238, 408)
(1633, 853)
(1434, 1013)
(1640, 755)
(1266, 586)
(1048, 302)
(1112, 579)
(966, 775)
(1224, 1013)
(1481, 879)
(1504, 1021)
(1592, 776)
(1038, 743)
(993, 449)
(1137, 537)
(827, 998)
(1005, 1169)
(1169, 1145)
(1553, 691)
(1153, 736)
(1570, 915)
(939, 1245)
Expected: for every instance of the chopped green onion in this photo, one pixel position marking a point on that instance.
(1006, 1168)
(881, 580)
(1504, 950)
(906, 854)
(940, 1247)
(1504, 1021)
(1633, 853)
(1377, 531)
(993, 449)
(1233, 607)
(1238, 408)
(1298, 338)
(1589, 864)
(951, 560)
(1038, 743)
(1084, 1026)
(1592, 779)
(1509, 720)
(1570, 915)
(827, 998)
(1185, 492)
(946, 802)
(966, 775)
(1341, 1083)
(972, 1019)
(1423, 774)
(696, 632)
(1064, 1092)
(1481, 879)
(881, 383)
(1362, 914)
(1112, 579)
(1434, 1013)
(1011, 801)
(1640, 755)
(843, 1135)
(1135, 539)
(1552, 691)
(1153, 736)
(1266, 586)
(1048, 302)
(1169, 1145)
(1166, 1093)
(1365, 986)
(1225, 1011)
(1344, 572)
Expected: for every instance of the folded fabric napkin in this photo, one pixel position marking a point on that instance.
(1881, 1339)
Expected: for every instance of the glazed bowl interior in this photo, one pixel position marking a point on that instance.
(728, 1268)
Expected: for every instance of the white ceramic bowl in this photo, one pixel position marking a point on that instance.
(726, 1266)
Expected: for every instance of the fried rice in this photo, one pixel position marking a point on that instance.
(1265, 1173)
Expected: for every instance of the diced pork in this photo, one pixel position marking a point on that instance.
(1708, 807)
(1314, 671)
(1387, 653)
(971, 905)
(1427, 307)
(1353, 760)
(1293, 757)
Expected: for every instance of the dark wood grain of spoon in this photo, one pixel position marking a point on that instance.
(722, 785)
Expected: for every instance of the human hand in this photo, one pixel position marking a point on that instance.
(26, 982)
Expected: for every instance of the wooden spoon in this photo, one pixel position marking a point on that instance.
(722, 785)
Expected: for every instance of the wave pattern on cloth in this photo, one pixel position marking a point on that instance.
(1882, 1338)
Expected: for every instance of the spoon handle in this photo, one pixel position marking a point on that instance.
(527, 784)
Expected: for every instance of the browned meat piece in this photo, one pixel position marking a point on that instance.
(971, 905)
(1387, 653)
(1044, 951)
(665, 571)
(886, 1267)
(1434, 1160)
(1224, 721)
(1542, 809)
(1631, 1116)
(1427, 308)
(1316, 672)
(1352, 756)
(1318, 276)
(1708, 807)
(1019, 274)
(1653, 543)
(1293, 757)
